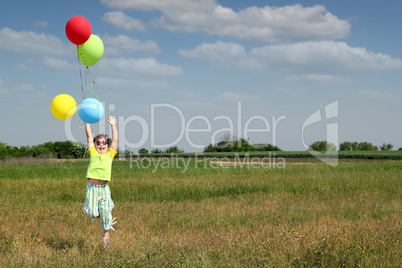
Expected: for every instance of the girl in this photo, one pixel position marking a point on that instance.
(98, 202)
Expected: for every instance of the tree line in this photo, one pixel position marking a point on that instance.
(69, 149)
(170, 150)
(58, 149)
(243, 145)
(239, 145)
(350, 146)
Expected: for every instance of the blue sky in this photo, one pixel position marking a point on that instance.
(185, 72)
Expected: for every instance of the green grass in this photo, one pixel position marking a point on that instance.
(200, 214)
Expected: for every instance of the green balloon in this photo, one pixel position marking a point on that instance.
(91, 51)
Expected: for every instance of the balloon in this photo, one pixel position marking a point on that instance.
(90, 110)
(91, 51)
(63, 106)
(78, 30)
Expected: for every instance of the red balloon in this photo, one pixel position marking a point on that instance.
(78, 30)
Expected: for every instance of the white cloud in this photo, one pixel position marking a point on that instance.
(24, 89)
(58, 63)
(131, 84)
(261, 24)
(161, 5)
(321, 57)
(121, 20)
(22, 92)
(234, 97)
(32, 43)
(219, 54)
(123, 44)
(41, 23)
(378, 95)
(323, 79)
(324, 56)
(144, 66)
(21, 66)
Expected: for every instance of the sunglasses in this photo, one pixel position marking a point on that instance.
(101, 142)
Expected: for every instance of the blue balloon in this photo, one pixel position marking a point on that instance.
(91, 110)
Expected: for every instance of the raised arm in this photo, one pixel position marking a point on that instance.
(90, 139)
(112, 122)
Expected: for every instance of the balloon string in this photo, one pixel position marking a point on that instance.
(88, 74)
(81, 124)
(79, 66)
(92, 84)
(86, 79)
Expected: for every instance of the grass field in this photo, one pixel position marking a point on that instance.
(185, 213)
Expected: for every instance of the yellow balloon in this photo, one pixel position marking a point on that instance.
(63, 106)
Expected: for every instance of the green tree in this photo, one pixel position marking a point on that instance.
(349, 146)
(365, 146)
(345, 146)
(40, 150)
(386, 147)
(209, 148)
(244, 145)
(156, 151)
(23, 151)
(60, 149)
(143, 151)
(68, 149)
(356, 146)
(265, 147)
(322, 146)
(221, 146)
(5, 150)
(174, 150)
(239, 145)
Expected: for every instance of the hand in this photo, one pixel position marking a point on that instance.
(112, 120)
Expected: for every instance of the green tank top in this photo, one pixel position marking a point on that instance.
(100, 165)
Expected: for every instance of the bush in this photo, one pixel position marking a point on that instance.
(5, 150)
(355, 146)
(265, 147)
(143, 151)
(322, 146)
(366, 146)
(239, 145)
(386, 147)
(209, 149)
(68, 149)
(174, 150)
(156, 151)
(60, 149)
(348, 146)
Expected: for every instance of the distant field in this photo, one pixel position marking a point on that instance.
(178, 212)
(388, 155)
